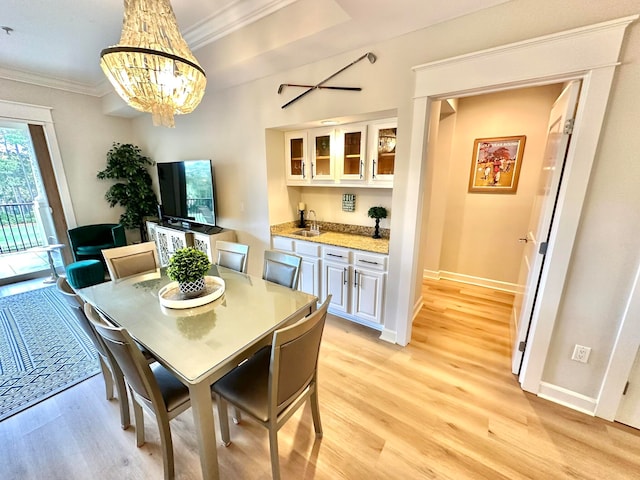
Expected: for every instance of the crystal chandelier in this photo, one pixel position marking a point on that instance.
(152, 68)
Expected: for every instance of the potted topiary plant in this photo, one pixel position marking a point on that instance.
(377, 213)
(188, 267)
(133, 191)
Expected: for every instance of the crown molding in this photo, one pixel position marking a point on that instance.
(235, 16)
(229, 19)
(50, 82)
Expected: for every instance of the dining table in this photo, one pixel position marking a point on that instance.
(199, 345)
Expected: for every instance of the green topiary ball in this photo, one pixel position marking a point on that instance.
(188, 265)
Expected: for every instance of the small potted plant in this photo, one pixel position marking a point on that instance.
(188, 267)
(377, 213)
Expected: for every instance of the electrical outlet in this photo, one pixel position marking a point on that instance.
(581, 354)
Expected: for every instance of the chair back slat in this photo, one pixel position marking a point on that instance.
(295, 352)
(131, 260)
(281, 268)
(126, 354)
(232, 255)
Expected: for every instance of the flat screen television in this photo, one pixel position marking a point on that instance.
(187, 192)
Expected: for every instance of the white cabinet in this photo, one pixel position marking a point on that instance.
(337, 278)
(296, 158)
(382, 152)
(357, 282)
(352, 141)
(311, 253)
(169, 239)
(323, 154)
(207, 243)
(369, 276)
(310, 274)
(354, 155)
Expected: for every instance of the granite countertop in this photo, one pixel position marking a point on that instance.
(336, 238)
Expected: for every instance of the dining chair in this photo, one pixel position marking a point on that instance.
(232, 255)
(272, 384)
(131, 259)
(151, 387)
(281, 267)
(111, 373)
(68, 293)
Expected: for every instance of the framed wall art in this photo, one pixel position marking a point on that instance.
(496, 164)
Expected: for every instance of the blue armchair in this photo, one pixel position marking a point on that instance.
(87, 242)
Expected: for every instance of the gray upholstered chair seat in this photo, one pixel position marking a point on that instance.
(173, 391)
(248, 387)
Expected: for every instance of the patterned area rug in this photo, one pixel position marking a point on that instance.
(42, 349)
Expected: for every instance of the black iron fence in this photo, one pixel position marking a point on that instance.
(18, 227)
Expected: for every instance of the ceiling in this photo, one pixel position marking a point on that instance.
(58, 43)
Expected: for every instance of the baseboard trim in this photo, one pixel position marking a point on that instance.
(461, 278)
(568, 398)
(388, 335)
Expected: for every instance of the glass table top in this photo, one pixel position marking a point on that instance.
(197, 341)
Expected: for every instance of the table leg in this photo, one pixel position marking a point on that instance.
(202, 407)
(54, 275)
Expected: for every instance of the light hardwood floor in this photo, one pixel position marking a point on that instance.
(445, 407)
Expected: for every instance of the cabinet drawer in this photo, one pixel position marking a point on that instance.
(337, 255)
(370, 261)
(283, 243)
(308, 249)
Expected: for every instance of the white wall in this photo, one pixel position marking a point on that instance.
(84, 136)
(327, 203)
(481, 230)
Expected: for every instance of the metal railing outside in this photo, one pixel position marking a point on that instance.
(19, 229)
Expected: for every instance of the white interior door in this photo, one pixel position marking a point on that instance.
(629, 409)
(537, 235)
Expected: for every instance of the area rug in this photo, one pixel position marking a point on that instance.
(42, 349)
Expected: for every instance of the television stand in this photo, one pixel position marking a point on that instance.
(169, 238)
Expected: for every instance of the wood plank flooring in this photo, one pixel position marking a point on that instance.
(445, 407)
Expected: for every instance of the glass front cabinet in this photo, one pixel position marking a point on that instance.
(382, 152)
(357, 154)
(323, 152)
(351, 144)
(295, 146)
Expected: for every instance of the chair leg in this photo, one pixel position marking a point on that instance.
(138, 415)
(273, 447)
(121, 389)
(108, 378)
(167, 445)
(223, 420)
(315, 412)
(237, 418)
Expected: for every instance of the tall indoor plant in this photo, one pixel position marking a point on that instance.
(133, 190)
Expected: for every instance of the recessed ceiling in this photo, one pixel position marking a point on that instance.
(58, 43)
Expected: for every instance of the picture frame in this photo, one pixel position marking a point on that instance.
(496, 163)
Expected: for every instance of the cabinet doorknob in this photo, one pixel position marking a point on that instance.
(523, 240)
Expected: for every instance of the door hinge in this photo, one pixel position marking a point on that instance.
(543, 248)
(626, 387)
(521, 346)
(568, 126)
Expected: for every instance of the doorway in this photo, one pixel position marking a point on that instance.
(588, 53)
(26, 222)
(38, 123)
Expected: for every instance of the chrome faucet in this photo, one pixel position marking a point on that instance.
(314, 223)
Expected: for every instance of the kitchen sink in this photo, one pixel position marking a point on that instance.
(307, 233)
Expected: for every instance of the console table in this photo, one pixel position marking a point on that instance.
(170, 238)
